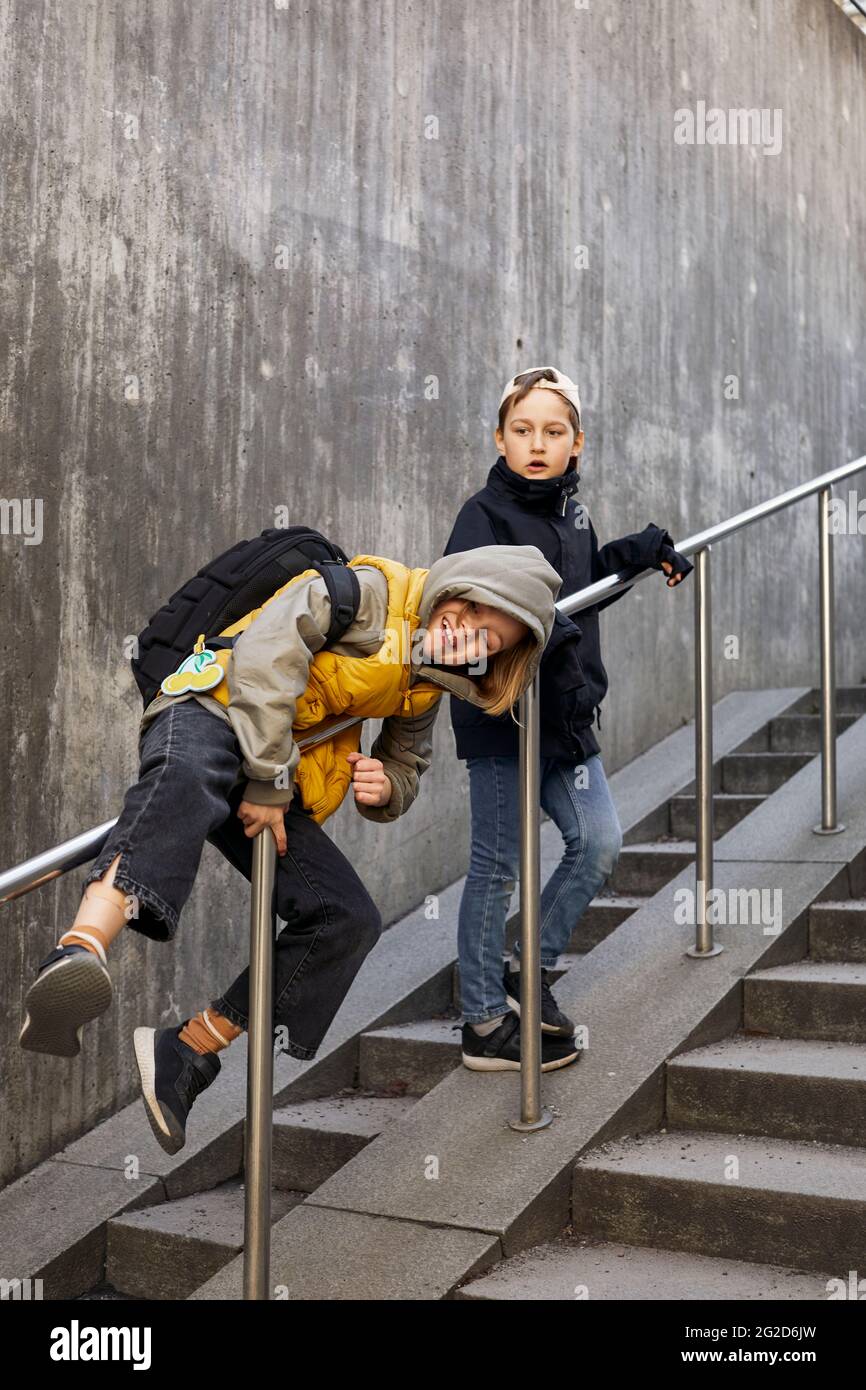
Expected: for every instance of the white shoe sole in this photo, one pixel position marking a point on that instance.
(506, 1064)
(60, 1001)
(144, 1042)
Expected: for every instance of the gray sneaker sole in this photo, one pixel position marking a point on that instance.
(59, 1002)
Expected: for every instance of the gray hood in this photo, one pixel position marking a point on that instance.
(515, 578)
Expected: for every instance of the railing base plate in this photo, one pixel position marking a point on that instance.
(541, 1123)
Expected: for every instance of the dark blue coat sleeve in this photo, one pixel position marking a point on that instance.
(473, 528)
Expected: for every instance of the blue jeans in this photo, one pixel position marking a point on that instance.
(189, 787)
(587, 820)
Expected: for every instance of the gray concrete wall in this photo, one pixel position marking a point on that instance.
(239, 242)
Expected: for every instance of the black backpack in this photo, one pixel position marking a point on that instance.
(232, 585)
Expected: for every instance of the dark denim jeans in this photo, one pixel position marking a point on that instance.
(189, 787)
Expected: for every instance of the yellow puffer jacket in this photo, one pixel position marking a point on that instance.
(372, 686)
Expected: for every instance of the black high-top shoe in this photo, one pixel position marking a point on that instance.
(553, 1020)
(172, 1075)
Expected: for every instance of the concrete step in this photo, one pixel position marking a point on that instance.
(758, 742)
(789, 1088)
(728, 810)
(850, 699)
(602, 916)
(807, 999)
(408, 1058)
(689, 788)
(773, 1201)
(166, 1251)
(314, 1138)
(566, 1269)
(837, 930)
(643, 869)
(801, 733)
(760, 772)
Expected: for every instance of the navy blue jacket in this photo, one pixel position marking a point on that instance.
(513, 510)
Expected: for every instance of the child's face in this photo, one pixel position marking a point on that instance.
(539, 439)
(461, 631)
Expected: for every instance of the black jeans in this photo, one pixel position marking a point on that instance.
(189, 787)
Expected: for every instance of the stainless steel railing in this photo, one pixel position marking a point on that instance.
(258, 1134)
(698, 545)
(260, 1055)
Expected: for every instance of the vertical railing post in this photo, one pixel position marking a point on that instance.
(828, 824)
(532, 1116)
(704, 945)
(260, 1073)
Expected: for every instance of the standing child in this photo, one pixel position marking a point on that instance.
(527, 501)
(211, 761)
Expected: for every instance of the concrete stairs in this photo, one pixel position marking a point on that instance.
(167, 1250)
(315, 1138)
(375, 1077)
(414, 1058)
(755, 1186)
(742, 780)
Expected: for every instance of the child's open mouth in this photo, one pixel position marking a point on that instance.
(453, 642)
(536, 467)
(448, 634)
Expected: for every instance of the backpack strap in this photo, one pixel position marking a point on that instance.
(344, 591)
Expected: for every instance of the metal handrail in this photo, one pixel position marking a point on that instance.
(614, 583)
(259, 1128)
(51, 864)
(531, 1114)
(258, 1131)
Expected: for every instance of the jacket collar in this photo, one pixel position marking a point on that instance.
(544, 496)
(450, 678)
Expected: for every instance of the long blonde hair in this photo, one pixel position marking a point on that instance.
(505, 679)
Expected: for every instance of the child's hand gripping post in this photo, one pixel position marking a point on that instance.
(370, 782)
(257, 818)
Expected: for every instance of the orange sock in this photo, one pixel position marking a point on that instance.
(209, 1031)
(88, 937)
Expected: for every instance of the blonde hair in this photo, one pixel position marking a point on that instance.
(506, 677)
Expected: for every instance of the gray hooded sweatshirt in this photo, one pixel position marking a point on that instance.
(270, 664)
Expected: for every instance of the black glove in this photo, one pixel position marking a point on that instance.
(679, 563)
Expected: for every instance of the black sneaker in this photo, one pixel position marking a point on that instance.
(553, 1020)
(172, 1074)
(72, 987)
(500, 1050)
